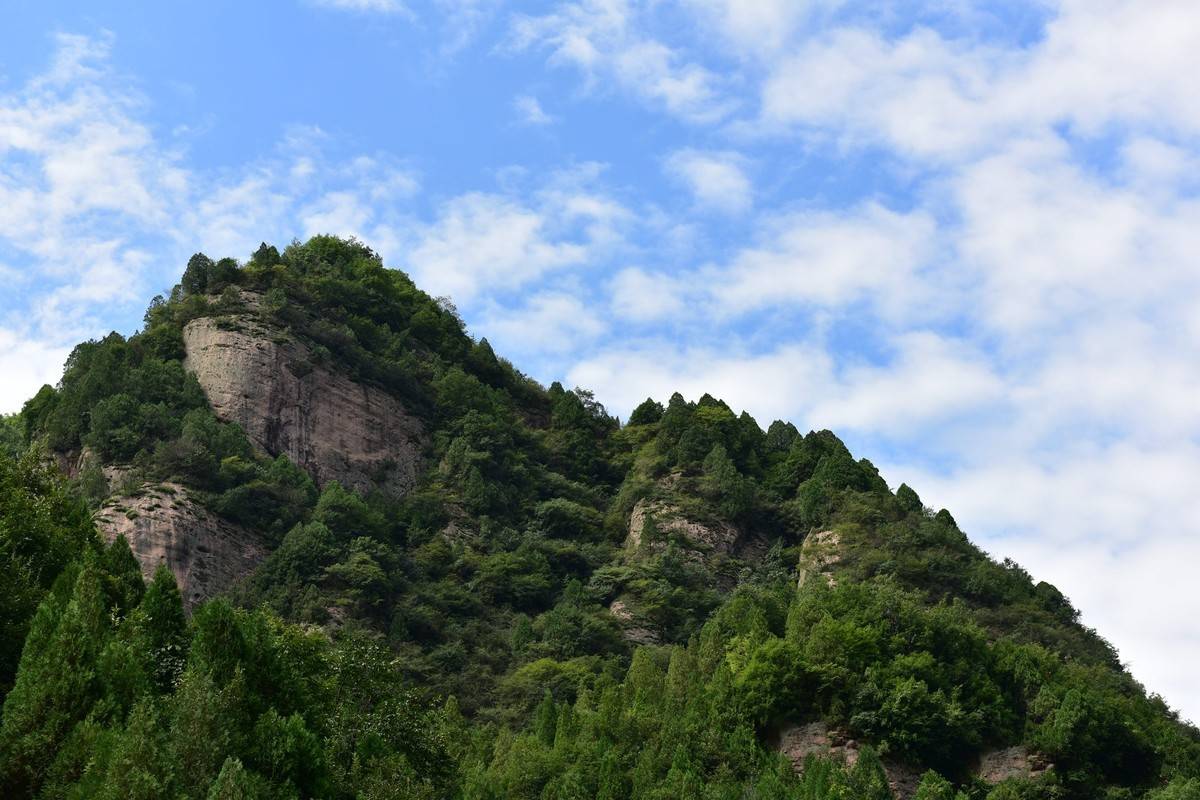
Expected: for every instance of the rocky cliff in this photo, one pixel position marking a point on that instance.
(163, 525)
(798, 742)
(255, 374)
(819, 556)
(334, 428)
(658, 525)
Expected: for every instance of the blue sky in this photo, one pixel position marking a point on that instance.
(961, 234)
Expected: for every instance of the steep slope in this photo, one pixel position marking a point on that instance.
(334, 428)
(685, 605)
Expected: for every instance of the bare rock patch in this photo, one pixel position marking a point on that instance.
(163, 525)
(328, 424)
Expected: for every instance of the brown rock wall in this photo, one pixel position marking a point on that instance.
(1011, 762)
(331, 426)
(819, 554)
(163, 525)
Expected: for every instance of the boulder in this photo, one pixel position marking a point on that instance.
(798, 742)
(633, 629)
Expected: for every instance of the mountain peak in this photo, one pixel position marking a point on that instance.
(329, 465)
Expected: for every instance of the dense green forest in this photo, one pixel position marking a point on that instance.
(501, 630)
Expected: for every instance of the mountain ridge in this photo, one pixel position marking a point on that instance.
(638, 610)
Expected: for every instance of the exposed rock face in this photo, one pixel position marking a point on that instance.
(72, 464)
(331, 426)
(634, 630)
(718, 537)
(1011, 762)
(723, 551)
(815, 738)
(819, 554)
(164, 526)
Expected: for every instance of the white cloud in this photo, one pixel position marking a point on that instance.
(929, 380)
(1100, 64)
(808, 260)
(922, 94)
(758, 28)
(1053, 243)
(530, 111)
(768, 384)
(1106, 61)
(601, 38)
(26, 365)
(486, 241)
(829, 259)
(374, 6)
(549, 322)
(642, 296)
(81, 182)
(717, 180)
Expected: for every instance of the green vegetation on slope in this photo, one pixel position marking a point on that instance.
(487, 591)
(120, 696)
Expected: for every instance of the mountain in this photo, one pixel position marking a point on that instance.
(302, 536)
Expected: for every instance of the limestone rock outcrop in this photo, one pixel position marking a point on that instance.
(163, 525)
(633, 629)
(1011, 762)
(717, 537)
(330, 425)
(816, 738)
(819, 554)
(797, 742)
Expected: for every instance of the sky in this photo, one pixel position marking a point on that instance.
(961, 234)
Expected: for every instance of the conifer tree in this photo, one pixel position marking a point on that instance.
(140, 767)
(235, 782)
(545, 719)
(123, 576)
(160, 632)
(56, 681)
(935, 787)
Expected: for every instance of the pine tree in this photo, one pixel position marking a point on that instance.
(208, 725)
(124, 583)
(160, 632)
(195, 276)
(545, 719)
(140, 767)
(56, 682)
(236, 783)
(867, 779)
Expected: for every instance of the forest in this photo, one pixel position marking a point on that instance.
(564, 606)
